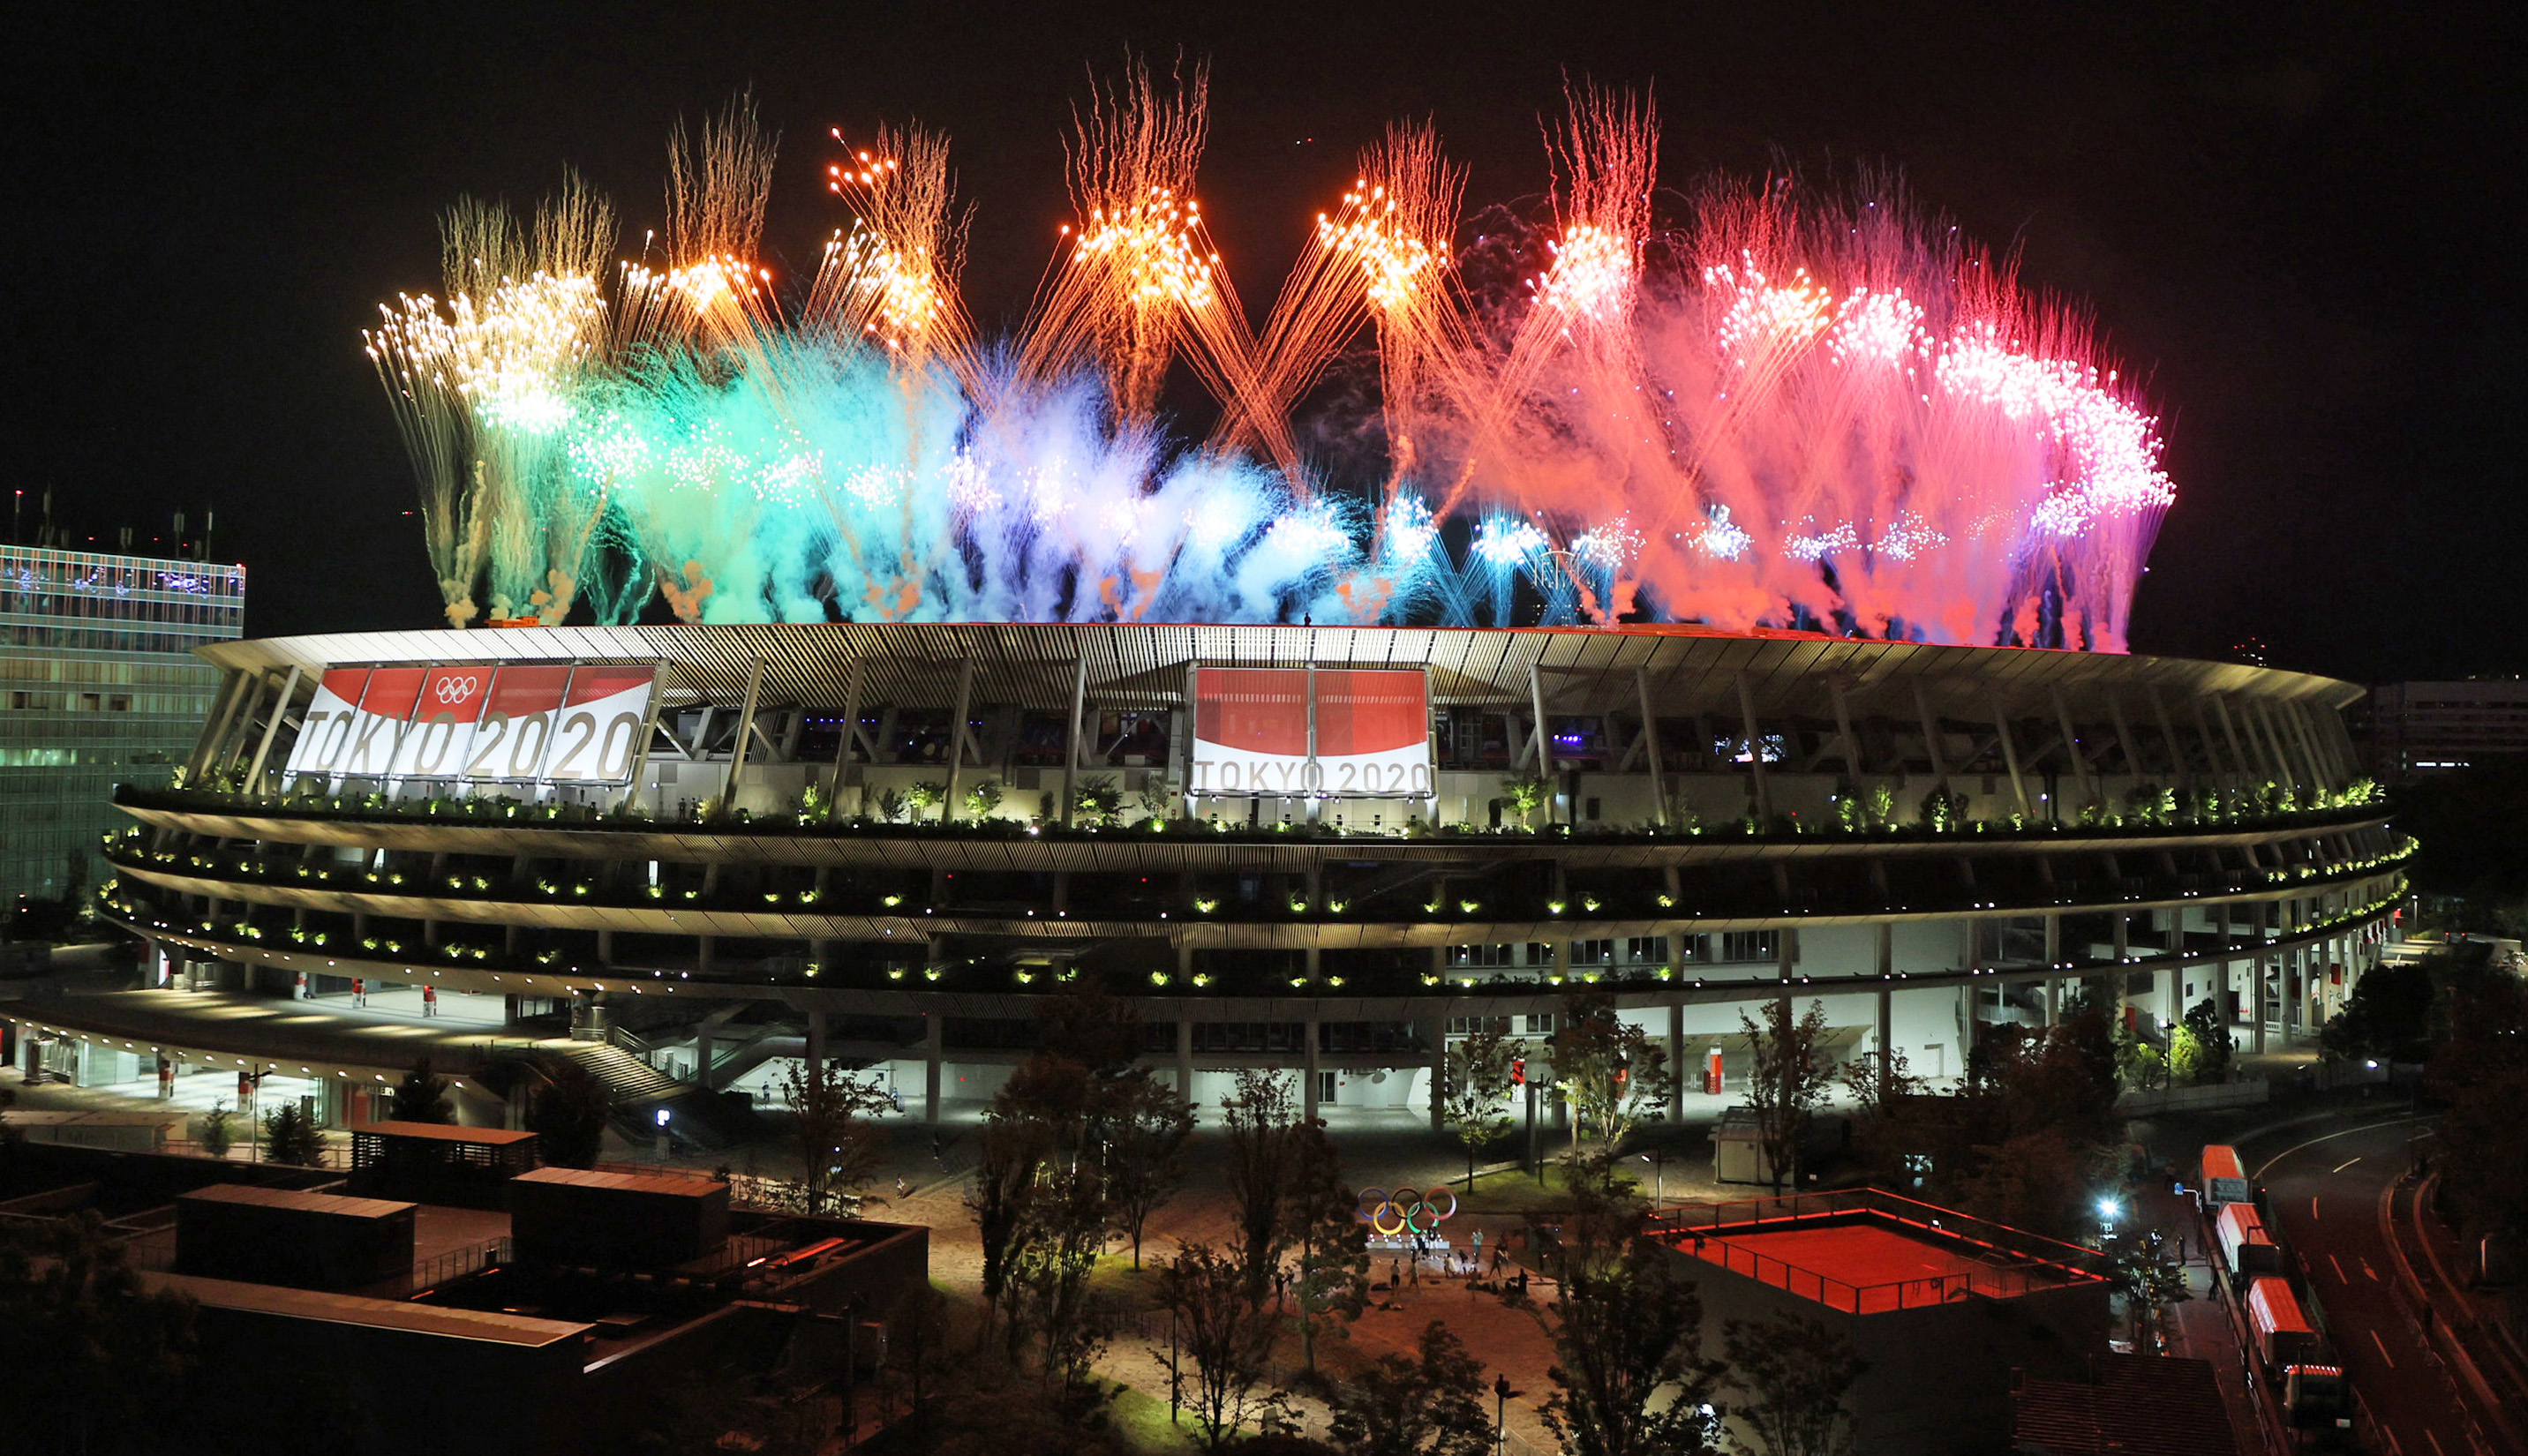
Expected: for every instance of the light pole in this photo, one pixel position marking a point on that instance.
(661, 1145)
(1500, 1411)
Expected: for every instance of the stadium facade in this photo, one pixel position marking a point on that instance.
(1324, 849)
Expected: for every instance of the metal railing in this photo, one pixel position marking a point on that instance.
(2004, 1263)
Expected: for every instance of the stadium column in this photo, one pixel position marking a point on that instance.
(1435, 1032)
(2091, 791)
(816, 1039)
(1071, 741)
(1308, 1095)
(1676, 1060)
(2168, 739)
(1544, 736)
(232, 691)
(2010, 757)
(1886, 1040)
(935, 1041)
(1930, 737)
(1651, 745)
(1185, 1053)
(1757, 787)
(738, 745)
(271, 728)
(956, 737)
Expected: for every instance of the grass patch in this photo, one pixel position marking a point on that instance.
(1141, 1419)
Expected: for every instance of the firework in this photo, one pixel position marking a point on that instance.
(1797, 411)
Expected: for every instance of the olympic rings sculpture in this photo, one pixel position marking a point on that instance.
(1394, 1214)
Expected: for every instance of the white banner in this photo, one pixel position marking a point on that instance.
(516, 723)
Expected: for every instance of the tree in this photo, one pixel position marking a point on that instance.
(918, 1330)
(1613, 1072)
(2138, 1062)
(212, 1131)
(1474, 1095)
(2207, 1027)
(2389, 1015)
(1011, 1148)
(1323, 1216)
(1786, 1083)
(1525, 794)
(984, 799)
(290, 1136)
(1629, 1371)
(1097, 799)
(2150, 1276)
(840, 1149)
(1145, 1142)
(568, 1115)
(1221, 1335)
(1794, 1374)
(1062, 1228)
(2482, 1070)
(1262, 1124)
(89, 1361)
(421, 1097)
(1430, 1406)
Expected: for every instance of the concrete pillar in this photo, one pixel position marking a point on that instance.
(1676, 1060)
(1887, 1037)
(815, 1043)
(2256, 1000)
(1184, 1057)
(1308, 1092)
(935, 1041)
(1435, 1030)
(704, 1048)
(606, 947)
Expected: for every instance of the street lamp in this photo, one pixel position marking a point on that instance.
(662, 1119)
(1500, 1411)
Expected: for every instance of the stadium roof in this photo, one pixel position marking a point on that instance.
(1685, 669)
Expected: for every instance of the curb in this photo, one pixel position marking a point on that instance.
(2436, 1334)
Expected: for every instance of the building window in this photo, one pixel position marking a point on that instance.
(1647, 950)
(1748, 945)
(1479, 956)
(1591, 951)
(1540, 1023)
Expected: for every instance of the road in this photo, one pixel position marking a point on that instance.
(2324, 1187)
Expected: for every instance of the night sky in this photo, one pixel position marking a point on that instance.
(2285, 222)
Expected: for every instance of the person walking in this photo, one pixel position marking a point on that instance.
(429, 1001)
(359, 990)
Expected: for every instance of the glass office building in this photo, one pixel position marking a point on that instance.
(98, 686)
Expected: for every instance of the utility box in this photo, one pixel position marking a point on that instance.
(615, 1219)
(300, 1240)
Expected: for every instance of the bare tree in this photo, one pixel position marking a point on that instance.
(1629, 1371)
(1615, 1075)
(1262, 1123)
(1787, 1082)
(1224, 1336)
(1324, 1217)
(1145, 1134)
(1474, 1098)
(840, 1149)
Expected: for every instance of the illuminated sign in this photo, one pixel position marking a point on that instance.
(489, 722)
(1333, 732)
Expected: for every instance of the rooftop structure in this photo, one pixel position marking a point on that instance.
(1942, 1306)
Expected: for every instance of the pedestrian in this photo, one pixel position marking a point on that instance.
(359, 990)
(1395, 1274)
(900, 1189)
(429, 1001)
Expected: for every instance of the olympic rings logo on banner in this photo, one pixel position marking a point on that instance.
(1394, 1214)
(455, 690)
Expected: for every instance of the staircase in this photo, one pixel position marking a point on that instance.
(636, 1092)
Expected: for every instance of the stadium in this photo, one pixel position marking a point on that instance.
(1322, 848)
